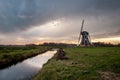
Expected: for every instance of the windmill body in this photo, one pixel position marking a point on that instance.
(84, 37)
(85, 40)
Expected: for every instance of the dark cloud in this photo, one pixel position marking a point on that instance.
(107, 4)
(20, 15)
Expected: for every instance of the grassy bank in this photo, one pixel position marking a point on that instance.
(12, 54)
(101, 63)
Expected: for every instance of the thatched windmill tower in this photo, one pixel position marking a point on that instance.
(84, 37)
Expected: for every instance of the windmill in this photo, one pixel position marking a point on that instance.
(84, 37)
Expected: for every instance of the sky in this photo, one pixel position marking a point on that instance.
(39, 21)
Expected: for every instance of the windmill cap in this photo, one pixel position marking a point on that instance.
(85, 32)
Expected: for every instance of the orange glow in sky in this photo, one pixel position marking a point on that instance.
(114, 40)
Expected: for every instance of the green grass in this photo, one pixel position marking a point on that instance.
(83, 64)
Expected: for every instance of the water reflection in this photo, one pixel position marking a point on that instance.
(26, 69)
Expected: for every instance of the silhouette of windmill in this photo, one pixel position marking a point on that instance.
(84, 37)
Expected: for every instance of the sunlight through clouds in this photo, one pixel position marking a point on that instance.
(113, 40)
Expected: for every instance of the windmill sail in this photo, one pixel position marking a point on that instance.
(80, 33)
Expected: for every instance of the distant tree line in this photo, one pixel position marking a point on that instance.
(102, 44)
(58, 44)
(95, 44)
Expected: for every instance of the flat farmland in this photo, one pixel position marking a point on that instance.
(95, 63)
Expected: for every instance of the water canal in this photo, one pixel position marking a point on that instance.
(26, 69)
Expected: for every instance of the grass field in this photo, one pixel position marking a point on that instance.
(13, 54)
(97, 63)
